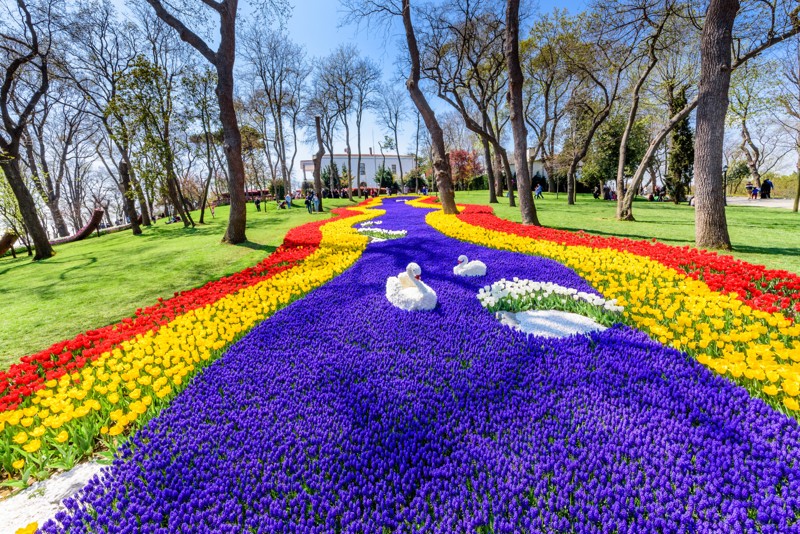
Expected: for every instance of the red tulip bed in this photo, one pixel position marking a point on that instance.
(26, 377)
(772, 291)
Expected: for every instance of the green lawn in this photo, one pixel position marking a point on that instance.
(99, 281)
(765, 236)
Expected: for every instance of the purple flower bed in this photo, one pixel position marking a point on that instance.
(344, 414)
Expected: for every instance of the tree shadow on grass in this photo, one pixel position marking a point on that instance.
(83, 263)
(257, 246)
(16, 265)
(636, 237)
(50, 261)
(768, 251)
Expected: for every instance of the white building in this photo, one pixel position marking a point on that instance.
(370, 163)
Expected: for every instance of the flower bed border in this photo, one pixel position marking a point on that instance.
(33, 371)
(769, 290)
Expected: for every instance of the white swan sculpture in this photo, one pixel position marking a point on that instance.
(408, 292)
(469, 268)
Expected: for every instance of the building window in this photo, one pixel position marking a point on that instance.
(394, 168)
(363, 169)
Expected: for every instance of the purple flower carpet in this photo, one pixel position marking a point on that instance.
(342, 413)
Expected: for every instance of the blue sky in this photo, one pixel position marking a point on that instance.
(315, 24)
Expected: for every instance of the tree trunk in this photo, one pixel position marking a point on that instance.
(187, 207)
(622, 212)
(318, 163)
(58, 218)
(751, 153)
(507, 170)
(349, 159)
(498, 164)
(797, 193)
(358, 162)
(399, 163)
(145, 208)
(232, 143)
(626, 213)
(441, 160)
(487, 154)
(27, 207)
(48, 194)
(517, 115)
(204, 202)
(572, 182)
(711, 227)
(174, 198)
(127, 197)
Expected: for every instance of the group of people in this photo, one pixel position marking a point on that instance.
(312, 202)
(606, 192)
(765, 191)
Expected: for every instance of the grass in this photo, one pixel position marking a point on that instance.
(765, 236)
(99, 281)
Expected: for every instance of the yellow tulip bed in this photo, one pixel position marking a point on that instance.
(757, 349)
(110, 397)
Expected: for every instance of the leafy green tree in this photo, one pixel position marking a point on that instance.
(601, 163)
(680, 165)
(145, 95)
(415, 179)
(326, 176)
(199, 86)
(384, 177)
(738, 172)
(10, 214)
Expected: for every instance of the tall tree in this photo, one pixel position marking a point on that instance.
(677, 69)
(367, 82)
(462, 48)
(788, 101)
(388, 10)
(101, 51)
(647, 22)
(711, 227)
(25, 50)
(145, 97)
(749, 103)
(393, 112)
(199, 87)
(548, 85)
(762, 26)
(52, 130)
(599, 61)
(517, 115)
(680, 163)
(320, 104)
(223, 60)
(338, 72)
(318, 161)
(280, 71)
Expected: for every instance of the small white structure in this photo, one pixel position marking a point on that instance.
(469, 268)
(549, 323)
(370, 163)
(408, 292)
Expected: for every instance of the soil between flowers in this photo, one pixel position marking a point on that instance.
(342, 413)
